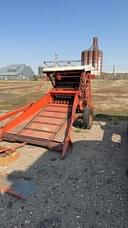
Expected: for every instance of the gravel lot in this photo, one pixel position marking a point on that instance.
(88, 189)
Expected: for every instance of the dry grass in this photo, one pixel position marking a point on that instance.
(110, 96)
(16, 93)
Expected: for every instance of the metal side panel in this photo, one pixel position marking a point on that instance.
(61, 134)
(34, 141)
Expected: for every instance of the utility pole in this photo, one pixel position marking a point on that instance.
(114, 71)
(55, 59)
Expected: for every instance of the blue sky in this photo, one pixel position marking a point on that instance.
(31, 31)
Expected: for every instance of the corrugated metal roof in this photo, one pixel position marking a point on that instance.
(16, 69)
(84, 68)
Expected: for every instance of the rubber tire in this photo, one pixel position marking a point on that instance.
(87, 118)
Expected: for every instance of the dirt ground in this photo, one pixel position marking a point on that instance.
(88, 189)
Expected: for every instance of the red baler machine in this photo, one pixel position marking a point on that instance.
(48, 121)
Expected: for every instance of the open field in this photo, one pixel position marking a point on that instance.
(110, 96)
(13, 94)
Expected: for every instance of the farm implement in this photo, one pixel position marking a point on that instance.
(48, 121)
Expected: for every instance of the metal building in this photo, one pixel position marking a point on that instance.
(16, 72)
(93, 57)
